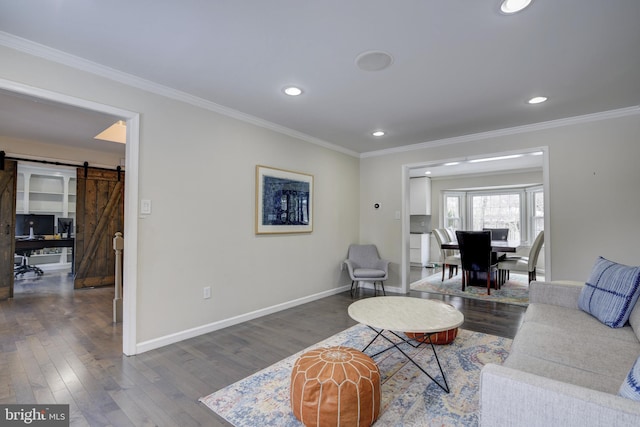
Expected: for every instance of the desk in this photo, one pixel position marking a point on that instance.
(496, 246)
(35, 244)
(406, 314)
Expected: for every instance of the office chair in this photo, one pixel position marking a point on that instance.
(24, 266)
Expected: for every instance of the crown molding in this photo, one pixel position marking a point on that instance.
(76, 62)
(45, 52)
(604, 115)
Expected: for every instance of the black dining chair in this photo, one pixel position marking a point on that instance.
(501, 234)
(475, 253)
(498, 233)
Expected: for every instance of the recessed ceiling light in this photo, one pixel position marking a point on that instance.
(427, 173)
(451, 163)
(537, 99)
(378, 133)
(292, 91)
(512, 6)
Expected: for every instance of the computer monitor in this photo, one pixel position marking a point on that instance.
(41, 225)
(65, 227)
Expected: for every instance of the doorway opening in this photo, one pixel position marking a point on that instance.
(60, 102)
(490, 170)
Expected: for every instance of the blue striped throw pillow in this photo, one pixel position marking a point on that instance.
(610, 292)
(630, 388)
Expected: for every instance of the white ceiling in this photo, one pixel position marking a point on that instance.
(460, 67)
(34, 119)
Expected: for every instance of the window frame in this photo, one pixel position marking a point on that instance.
(531, 211)
(462, 204)
(527, 207)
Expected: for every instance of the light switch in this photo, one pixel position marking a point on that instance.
(145, 206)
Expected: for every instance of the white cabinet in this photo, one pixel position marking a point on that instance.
(46, 190)
(51, 191)
(419, 246)
(420, 196)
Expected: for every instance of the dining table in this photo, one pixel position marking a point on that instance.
(496, 245)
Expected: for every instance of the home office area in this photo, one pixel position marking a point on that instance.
(40, 200)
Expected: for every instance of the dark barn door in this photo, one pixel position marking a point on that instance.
(99, 215)
(7, 226)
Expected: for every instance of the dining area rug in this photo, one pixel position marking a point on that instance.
(514, 291)
(409, 397)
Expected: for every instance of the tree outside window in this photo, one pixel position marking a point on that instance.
(497, 211)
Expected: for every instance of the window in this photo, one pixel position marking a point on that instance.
(536, 211)
(520, 210)
(453, 208)
(490, 210)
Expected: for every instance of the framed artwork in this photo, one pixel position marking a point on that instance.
(284, 201)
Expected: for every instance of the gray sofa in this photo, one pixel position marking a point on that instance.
(565, 367)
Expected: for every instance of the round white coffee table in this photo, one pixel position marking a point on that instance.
(406, 314)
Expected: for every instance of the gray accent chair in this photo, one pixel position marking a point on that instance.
(449, 257)
(365, 265)
(523, 264)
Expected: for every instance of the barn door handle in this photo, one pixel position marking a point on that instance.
(8, 229)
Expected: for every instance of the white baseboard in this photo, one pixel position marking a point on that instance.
(369, 285)
(204, 329)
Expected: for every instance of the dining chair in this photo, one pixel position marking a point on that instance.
(522, 264)
(451, 233)
(501, 234)
(449, 257)
(365, 265)
(498, 233)
(475, 253)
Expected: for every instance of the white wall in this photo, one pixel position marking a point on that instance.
(198, 168)
(594, 208)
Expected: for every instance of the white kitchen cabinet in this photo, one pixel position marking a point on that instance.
(419, 246)
(420, 196)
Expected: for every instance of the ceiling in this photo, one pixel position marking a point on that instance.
(35, 119)
(459, 67)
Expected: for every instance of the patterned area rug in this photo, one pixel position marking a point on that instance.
(409, 397)
(514, 291)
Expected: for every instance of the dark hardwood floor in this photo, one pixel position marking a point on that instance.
(60, 346)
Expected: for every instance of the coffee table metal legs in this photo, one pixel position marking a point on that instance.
(403, 340)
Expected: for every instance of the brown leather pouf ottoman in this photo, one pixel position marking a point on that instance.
(439, 338)
(335, 386)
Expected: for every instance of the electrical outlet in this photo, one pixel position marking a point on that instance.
(206, 292)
